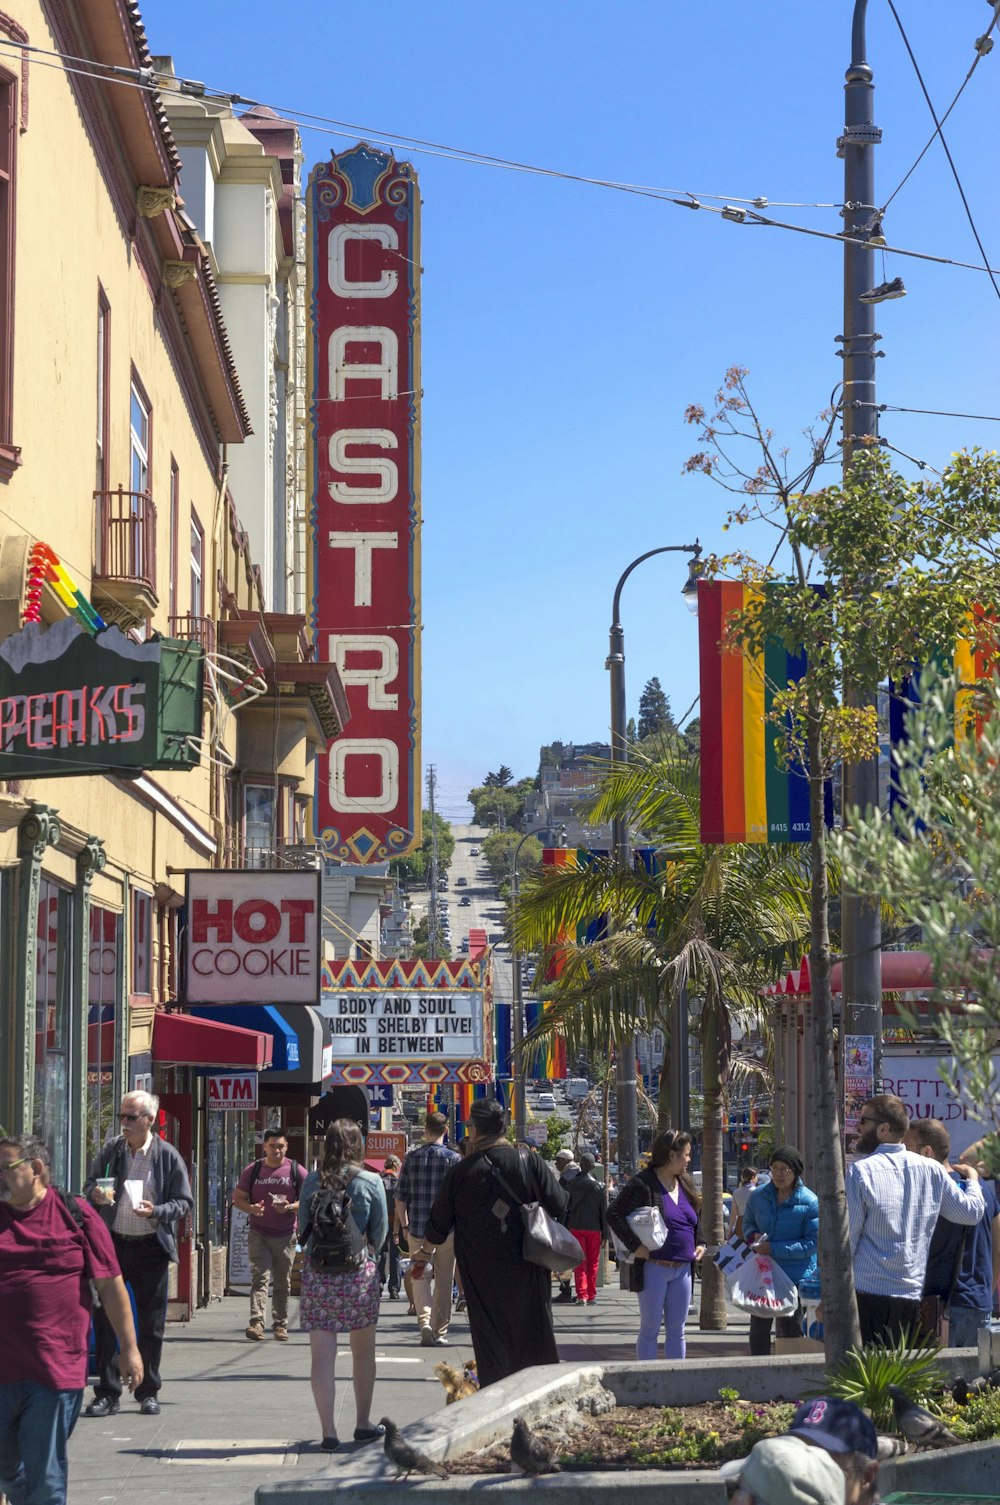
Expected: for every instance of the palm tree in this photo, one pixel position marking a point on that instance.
(716, 922)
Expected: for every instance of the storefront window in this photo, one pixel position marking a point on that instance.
(104, 985)
(259, 825)
(142, 916)
(53, 1014)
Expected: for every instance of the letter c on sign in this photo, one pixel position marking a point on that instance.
(387, 754)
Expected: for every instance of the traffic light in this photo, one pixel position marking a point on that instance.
(744, 1148)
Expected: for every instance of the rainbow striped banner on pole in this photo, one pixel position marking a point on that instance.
(747, 795)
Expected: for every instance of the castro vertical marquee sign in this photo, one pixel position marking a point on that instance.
(365, 394)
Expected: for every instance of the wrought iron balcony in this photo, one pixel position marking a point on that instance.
(298, 855)
(194, 630)
(124, 583)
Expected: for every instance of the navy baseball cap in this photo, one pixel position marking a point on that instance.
(839, 1426)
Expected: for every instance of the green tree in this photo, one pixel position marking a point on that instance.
(654, 710)
(500, 779)
(899, 562)
(498, 854)
(692, 734)
(939, 855)
(631, 735)
(717, 923)
(421, 947)
(493, 806)
(416, 867)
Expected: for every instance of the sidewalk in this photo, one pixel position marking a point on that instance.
(238, 1414)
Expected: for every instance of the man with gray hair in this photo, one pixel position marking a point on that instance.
(139, 1185)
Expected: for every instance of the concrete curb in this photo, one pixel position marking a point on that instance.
(482, 1419)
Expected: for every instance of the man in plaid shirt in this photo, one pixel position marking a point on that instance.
(423, 1171)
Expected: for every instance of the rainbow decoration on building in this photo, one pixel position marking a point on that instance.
(46, 568)
(747, 795)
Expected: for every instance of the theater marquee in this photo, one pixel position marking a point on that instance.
(364, 253)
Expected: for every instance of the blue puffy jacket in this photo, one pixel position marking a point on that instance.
(792, 1227)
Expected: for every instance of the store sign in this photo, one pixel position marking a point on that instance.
(917, 1080)
(73, 703)
(405, 1026)
(253, 937)
(379, 1145)
(233, 1091)
(365, 387)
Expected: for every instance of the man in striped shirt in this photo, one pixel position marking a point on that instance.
(894, 1199)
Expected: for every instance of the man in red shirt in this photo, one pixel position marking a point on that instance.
(268, 1192)
(51, 1248)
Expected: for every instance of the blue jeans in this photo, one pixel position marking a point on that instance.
(663, 1302)
(35, 1425)
(964, 1323)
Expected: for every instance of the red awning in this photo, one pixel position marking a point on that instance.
(101, 1045)
(180, 1040)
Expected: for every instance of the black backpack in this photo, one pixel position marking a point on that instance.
(338, 1245)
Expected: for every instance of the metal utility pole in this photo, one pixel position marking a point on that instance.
(432, 913)
(861, 922)
(628, 1118)
(517, 1006)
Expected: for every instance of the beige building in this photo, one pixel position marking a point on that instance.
(121, 414)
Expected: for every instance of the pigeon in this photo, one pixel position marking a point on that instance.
(407, 1459)
(962, 1389)
(918, 1425)
(530, 1453)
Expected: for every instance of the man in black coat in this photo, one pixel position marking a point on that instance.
(586, 1219)
(150, 1194)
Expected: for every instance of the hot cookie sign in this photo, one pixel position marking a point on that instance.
(365, 386)
(253, 937)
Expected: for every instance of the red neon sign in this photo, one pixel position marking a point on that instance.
(364, 248)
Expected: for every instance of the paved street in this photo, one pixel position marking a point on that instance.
(238, 1414)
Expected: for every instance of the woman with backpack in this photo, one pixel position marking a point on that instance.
(342, 1224)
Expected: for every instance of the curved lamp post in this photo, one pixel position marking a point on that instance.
(628, 1122)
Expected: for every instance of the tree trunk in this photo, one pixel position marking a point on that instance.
(714, 1065)
(840, 1313)
(664, 1107)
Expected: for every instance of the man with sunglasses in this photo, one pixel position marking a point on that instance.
(150, 1194)
(894, 1198)
(52, 1248)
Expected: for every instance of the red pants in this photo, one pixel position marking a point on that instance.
(586, 1272)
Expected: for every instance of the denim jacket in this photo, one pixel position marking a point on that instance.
(792, 1227)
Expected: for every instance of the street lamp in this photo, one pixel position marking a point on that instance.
(517, 1006)
(861, 920)
(628, 1121)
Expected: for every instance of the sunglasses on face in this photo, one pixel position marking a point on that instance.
(12, 1165)
(130, 1118)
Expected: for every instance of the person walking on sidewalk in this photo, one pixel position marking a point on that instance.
(389, 1253)
(567, 1170)
(587, 1220)
(150, 1195)
(782, 1220)
(664, 1274)
(344, 1299)
(51, 1248)
(424, 1169)
(268, 1192)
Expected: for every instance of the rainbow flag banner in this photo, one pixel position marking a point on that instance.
(747, 795)
(972, 660)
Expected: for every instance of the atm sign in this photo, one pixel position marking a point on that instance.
(235, 1090)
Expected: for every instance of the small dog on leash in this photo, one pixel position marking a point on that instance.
(457, 1382)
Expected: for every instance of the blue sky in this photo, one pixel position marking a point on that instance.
(566, 327)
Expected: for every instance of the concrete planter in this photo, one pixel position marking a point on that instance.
(480, 1420)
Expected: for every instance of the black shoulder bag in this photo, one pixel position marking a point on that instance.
(546, 1242)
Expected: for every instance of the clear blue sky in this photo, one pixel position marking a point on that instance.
(566, 327)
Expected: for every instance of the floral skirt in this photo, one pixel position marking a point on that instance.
(338, 1303)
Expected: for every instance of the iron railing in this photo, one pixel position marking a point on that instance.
(126, 537)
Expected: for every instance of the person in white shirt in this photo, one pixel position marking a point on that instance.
(894, 1199)
(749, 1182)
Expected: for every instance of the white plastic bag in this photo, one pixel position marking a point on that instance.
(761, 1287)
(647, 1224)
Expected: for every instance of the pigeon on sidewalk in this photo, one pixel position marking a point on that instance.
(407, 1459)
(530, 1453)
(918, 1425)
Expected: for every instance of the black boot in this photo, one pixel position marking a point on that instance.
(565, 1296)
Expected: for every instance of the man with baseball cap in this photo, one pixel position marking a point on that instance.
(844, 1431)
(785, 1471)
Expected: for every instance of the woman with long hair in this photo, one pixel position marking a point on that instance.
(663, 1274)
(333, 1303)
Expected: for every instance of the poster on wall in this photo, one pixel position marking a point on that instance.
(917, 1080)
(240, 1273)
(363, 269)
(859, 1077)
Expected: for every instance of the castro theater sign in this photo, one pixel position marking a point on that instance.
(253, 937)
(364, 481)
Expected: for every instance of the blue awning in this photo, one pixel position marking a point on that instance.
(261, 1017)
